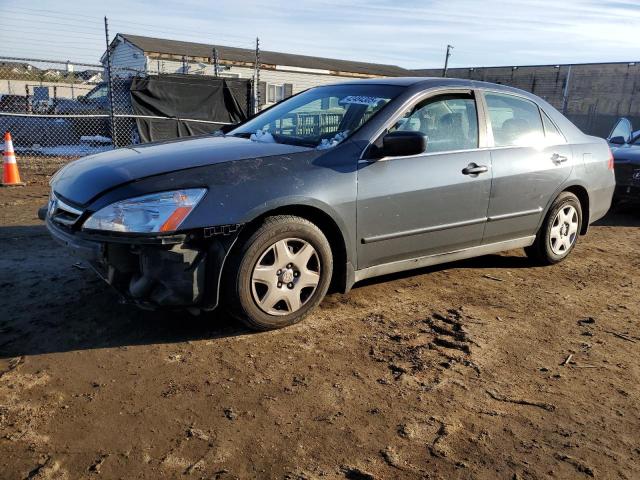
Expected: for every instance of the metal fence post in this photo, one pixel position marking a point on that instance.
(112, 118)
(565, 92)
(216, 62)
(446, 60)
(256, 79)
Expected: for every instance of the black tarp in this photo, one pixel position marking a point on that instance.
(185, 98)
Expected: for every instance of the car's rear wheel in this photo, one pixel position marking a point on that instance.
(278, 273)
(559, 232)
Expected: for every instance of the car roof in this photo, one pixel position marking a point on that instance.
(433, 82)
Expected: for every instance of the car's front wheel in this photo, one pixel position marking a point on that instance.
(559, 232)
(278, 273)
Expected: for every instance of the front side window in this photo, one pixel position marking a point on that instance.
(449, 122)
(321, 117)
(515, 121)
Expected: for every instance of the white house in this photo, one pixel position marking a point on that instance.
(283, 74)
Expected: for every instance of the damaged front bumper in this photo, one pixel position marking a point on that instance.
(182, 270)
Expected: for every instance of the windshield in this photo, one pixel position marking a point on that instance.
(97, 93)
(622, 129)
(319, 118)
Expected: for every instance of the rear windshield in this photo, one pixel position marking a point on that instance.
(321, 117)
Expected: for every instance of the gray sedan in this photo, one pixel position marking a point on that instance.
(332, 186)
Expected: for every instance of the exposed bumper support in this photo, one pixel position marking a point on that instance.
(180, 274)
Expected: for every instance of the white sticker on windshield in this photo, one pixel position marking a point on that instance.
(360, 100)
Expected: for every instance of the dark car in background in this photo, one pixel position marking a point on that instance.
(13, 103)
(263, 219)
(625, 145)
(97, 102)
(60, 123)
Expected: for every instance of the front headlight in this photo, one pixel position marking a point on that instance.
(157, 212)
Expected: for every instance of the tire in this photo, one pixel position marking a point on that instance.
(559, 233)
(273, 266)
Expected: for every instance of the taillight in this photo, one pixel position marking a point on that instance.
(610, 164)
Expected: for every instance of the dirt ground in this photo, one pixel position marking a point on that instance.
(482, 369)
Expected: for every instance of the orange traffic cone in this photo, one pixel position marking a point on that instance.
(10, 174)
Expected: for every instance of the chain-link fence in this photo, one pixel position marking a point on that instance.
(55, 109)
(105, 98)
(52, 110)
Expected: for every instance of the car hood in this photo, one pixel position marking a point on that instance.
(66, 105)
(83, 180)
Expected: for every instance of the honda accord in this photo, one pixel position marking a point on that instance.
(332, 186)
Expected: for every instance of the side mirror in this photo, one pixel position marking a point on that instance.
(617, 140)
(402, 144)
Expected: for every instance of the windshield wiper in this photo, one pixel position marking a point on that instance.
(241, 135)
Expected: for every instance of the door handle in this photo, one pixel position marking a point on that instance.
(558, 159)
(473, 169)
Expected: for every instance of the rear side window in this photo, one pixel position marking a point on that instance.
(448, 122)
(551, 132)
(515, 121)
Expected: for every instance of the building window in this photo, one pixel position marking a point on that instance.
(275, 93)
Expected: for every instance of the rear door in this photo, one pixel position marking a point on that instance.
(430, 203)
(531, 159)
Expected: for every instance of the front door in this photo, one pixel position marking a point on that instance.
(531, 159)
(430, 203)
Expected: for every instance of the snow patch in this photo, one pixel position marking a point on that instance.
(95, 138)
(263, 137)
(332, 142)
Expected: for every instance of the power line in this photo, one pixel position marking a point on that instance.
(46, 35)
(116, 19)
(31, 24)
(138, 25)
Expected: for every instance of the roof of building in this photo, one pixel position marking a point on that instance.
(245, 55)
(21, 65)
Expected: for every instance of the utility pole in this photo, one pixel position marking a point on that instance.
(216, 62)
(256, 79)
(565, 92)
(446, 60)
(112, 118)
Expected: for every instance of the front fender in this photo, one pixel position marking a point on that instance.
(293, 201)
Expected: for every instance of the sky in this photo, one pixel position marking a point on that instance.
(408, 33)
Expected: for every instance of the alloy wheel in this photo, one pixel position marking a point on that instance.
(564, 230)
(286, 276)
